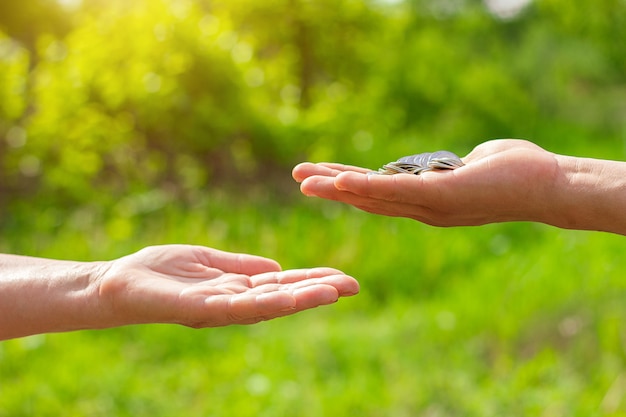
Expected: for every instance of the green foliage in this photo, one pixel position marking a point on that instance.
(111, 98)
(125, 124)
(514, 319)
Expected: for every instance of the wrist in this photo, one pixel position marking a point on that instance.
(43, 296)
(590, 194)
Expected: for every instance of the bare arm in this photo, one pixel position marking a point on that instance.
(503, 180)
(190, 285)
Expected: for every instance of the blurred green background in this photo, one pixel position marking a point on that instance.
(131, 123)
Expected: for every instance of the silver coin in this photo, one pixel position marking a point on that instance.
(428, 161)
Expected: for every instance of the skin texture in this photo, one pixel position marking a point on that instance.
(503, 180)
(189, 285)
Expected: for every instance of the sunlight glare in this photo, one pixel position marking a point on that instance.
(70, 4)
(506, 9)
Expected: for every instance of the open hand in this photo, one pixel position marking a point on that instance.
(502, 180)
(202, 287)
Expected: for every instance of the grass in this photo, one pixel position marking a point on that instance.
(511, 319)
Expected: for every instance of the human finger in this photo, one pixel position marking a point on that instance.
(327, 169)
(222, 310)
(315, 295)
(293, 275)
(295, 279)
(324, 187)
(251, 308)
(238, 263)
(305, 298)
(343, 167)
(401, 188)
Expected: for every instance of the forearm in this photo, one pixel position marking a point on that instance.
(40, 295)
(590, 195)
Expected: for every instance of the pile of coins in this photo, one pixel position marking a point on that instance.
(416, 164)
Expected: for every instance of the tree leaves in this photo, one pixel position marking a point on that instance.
(111, 96)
